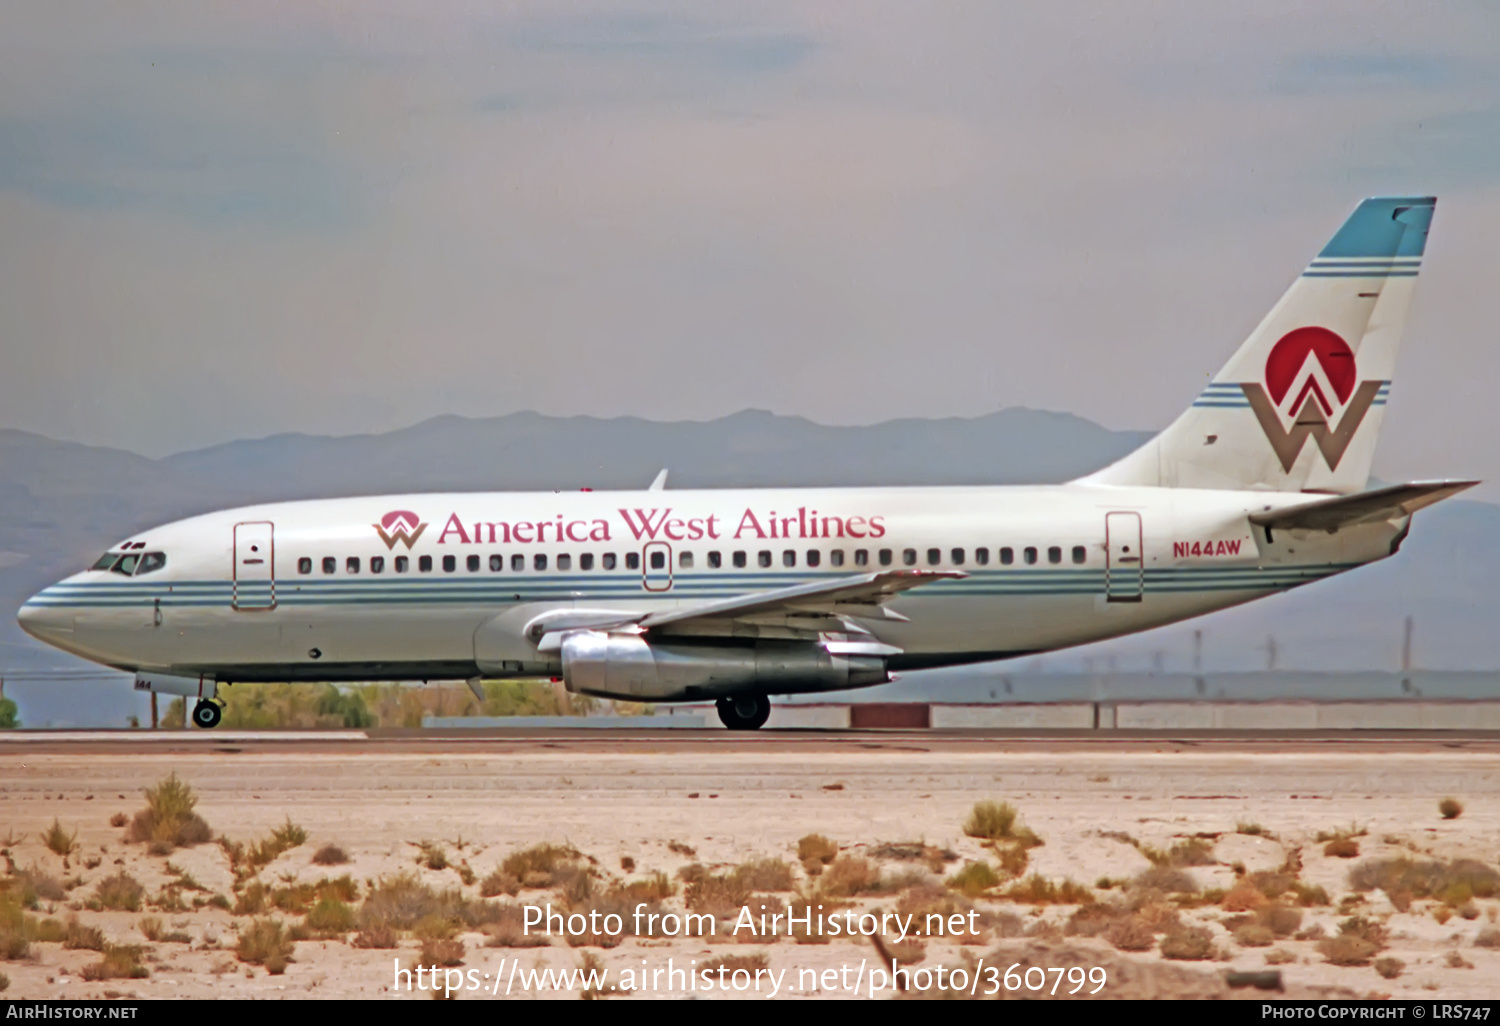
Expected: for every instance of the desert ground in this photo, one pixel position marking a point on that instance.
(1168, 865)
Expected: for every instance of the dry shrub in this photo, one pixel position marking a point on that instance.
(1489, 937)
(78, 937)
(33, 884)
(1038, 890)
(499, 882)
(1194, 851)
(331, 915)
(168, 820)
(1342, 848)
(253, 900)
(48, 931)
(974, 879)
(442, 952)
(544, 865)
(119, 893)
(721, 894)
(1253, 829)
(915, 851)
(58, 840)
(379, 935)
(1347, 949)
(1254, 935)
(330, 855)
(434, 855)
(1167, 880)
(281, 840)
(849, 875)
(1273, 883)
(1282, 920)
(1130, 933)
(119, 819)
(120, 962)
(752, 963)
(1454, 883)
(991, 821)
(816, 848)
(263, 941)
(401, 902)
(658, 887)
(763, 874)
(1389, 968)
(508, 930)
(1309, 895)
(627, 864)
(1243, 897)
(1450, 808)
(1280, 956)
(1457, 961)
(1188, 944)
(678, 848)
(922, 900)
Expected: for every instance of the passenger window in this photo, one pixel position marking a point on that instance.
(304, 565)
(330, 565)
(402, 563)
(814, 557)
(658, 560)
(351, 565)
(632, 561)
(1007, 556)
(608, 561)
(885, 557)
(586, 561)
(473, 564)
(424, 564)
(156, 560)
(518, 562)
(1030, 553)
(861, 557)
(909, 557)
(685, 560)
(982, 556)
(1054, 554)
(934, 557)
(450, 564)
(539, 561)
(836, 557)
(958, 557)
(564, 561)
(788, 558)
(377, 564)
(763, 557)
(739, 559)
(715, 560)
(497, 563)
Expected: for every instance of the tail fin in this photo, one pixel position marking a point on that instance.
(1299, 406)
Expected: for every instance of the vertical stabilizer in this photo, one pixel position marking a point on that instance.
(1299, 406)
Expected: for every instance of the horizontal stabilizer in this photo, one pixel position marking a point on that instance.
(1370, 507)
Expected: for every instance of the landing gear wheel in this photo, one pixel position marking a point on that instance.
(207, 714)
(744, 712)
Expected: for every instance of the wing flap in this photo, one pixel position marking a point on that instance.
(1370, 507)
(860, 596)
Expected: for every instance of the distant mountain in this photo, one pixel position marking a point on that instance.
(61, 504)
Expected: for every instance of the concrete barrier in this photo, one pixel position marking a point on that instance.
(1015, 716)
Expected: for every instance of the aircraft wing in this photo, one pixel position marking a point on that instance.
(862, 596)
(1370, 507)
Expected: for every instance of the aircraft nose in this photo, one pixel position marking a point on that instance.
(43, 620)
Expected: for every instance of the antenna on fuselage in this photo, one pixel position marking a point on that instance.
(660, 483)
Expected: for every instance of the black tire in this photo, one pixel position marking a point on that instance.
(744, 712)
(207, 714)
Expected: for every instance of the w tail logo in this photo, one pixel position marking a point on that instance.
(1310, 377)
(399, 526)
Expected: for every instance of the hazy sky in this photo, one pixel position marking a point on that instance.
(224, 220)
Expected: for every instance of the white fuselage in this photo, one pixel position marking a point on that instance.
(344, 589)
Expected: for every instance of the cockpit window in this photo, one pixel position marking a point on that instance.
(106, 561)
(150, 561)
(127, 563)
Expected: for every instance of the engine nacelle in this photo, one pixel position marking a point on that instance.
(630, 667)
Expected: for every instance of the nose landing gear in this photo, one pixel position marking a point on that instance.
(744, 712)
(206, 714)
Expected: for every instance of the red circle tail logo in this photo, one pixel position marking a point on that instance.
(1289, 356)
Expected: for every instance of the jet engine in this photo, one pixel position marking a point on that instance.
(628, 666)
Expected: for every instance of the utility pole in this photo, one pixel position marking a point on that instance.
(1271, 653)
(1198, 651)
(154, 720)
(1406, 647)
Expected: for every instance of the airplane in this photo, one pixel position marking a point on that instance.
(1260, 486)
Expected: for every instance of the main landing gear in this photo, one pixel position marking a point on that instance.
(744, 712)
(206, 714)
